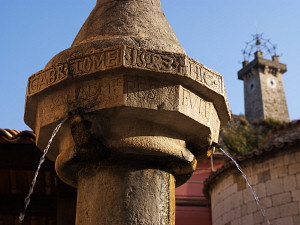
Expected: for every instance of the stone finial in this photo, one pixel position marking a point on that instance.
(275, 58)
(245, 63)
(258, 54)
(118, 22)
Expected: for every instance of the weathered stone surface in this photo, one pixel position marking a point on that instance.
(289, 209)
(130, 194)
(140, 113)
(152, 63)
(296, 195)
(282, 198)
(133, 86)
(279, 195)
(141, 23)
(247, 220)
(284, 221)
(289, 183)
(258, 218)
(274, 186)
(134, 91)
(294, 168)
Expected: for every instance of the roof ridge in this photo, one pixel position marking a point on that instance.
(16, 136)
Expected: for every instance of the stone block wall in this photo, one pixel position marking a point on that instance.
(273, 96)
(253, 96)
(276, 180)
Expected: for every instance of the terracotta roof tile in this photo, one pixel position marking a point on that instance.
(17, 137)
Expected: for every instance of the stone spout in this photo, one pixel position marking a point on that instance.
(140, 112)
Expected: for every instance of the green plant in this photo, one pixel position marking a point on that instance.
(239, 136)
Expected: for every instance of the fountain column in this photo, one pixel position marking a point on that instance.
(140, 114)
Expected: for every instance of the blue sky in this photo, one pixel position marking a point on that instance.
(213, 32)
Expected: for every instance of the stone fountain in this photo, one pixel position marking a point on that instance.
(140, 114)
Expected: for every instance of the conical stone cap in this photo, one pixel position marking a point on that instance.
(141, 23)
(138, 23)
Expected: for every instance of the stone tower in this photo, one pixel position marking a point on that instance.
(263, 88)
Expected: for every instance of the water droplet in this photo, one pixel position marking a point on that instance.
(21, 217)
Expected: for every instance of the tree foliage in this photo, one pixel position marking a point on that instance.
(239, 136)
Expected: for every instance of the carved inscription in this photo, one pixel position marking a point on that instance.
(154, 60)
(195, 107)
(75, 67)
(46, 78)
(202, 74)
(99, 94)
(95, 62)
(174, 63)
(154, 95)
(115, 57)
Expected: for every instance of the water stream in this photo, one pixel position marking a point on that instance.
(247, 181)
(42, 159)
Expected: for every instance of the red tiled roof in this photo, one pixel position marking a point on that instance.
(16, 137)
(278, 139)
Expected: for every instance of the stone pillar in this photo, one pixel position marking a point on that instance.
(127, 192)
(140, 114)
